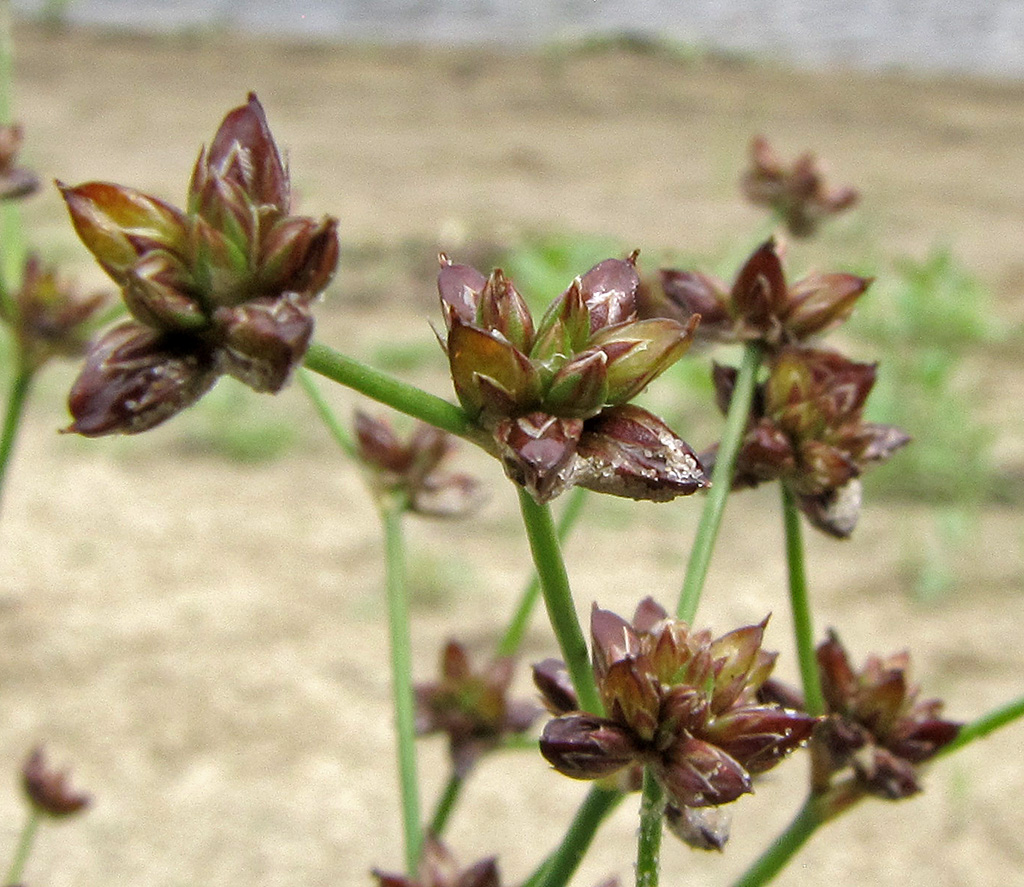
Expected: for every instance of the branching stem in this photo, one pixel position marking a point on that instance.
(388, 390)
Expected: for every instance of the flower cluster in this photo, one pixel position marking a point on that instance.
(554, 397)
(223, 287)
(807, 430)
(48, 316)
(48, 790)
(797, 194)
(15, 181)
(412, 468)
(439, 868)
(760, 305)
(471, 707)
(877, 727)
(676, 701)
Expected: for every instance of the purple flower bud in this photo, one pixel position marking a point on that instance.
(135, 378)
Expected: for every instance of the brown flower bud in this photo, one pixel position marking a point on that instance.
(627, 451)
(472, 706)
(48, 316)
(15, 181)
(413, 468)
(587, 747)
(760, 305)
(438, 868)
(48, 790)
(134, 379)
(877, 727)
(807, 430)
(796, 194)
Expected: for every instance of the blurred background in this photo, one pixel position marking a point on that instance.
(193, 617)
(915, 34)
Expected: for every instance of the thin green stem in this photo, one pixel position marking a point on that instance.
(560, 866)
(401, 678)
(554, 583)
(16, 400)
(513, 637)
(984, 725)
(391, 391)
(648, 845)
(784, 847)
(800, 605)
(721, 481)
(446, 803)
(323, 409)
(24, 847)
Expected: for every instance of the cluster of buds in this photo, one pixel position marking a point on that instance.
(48, 790)
(877, 729)
(48, 316)
(15, 181)
(807, 430)
(471, 707)
(760, 305)
(675, 701)
(223, 287)
(796, 194)
(411, 468)
(554, 398)
(439, 868)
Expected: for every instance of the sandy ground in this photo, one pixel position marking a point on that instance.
(203, 638)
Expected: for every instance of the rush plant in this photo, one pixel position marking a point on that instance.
(656, 704)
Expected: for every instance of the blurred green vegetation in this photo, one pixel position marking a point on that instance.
(924, 322)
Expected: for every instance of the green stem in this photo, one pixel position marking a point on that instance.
(984, 725)
(560, 866)
(24, 848)
(330, 420)
(391, 391)
(401, 677)
(648, 845)
(20, 386)
(446, 803)
(554, 583)
(721, 481)
(799, 602)
(513, 637)
(784, 847)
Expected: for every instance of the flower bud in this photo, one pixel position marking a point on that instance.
(15, 181)
(798, 194)
(586, 747)
(135, 378)
(629, 452)
(49, 791)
